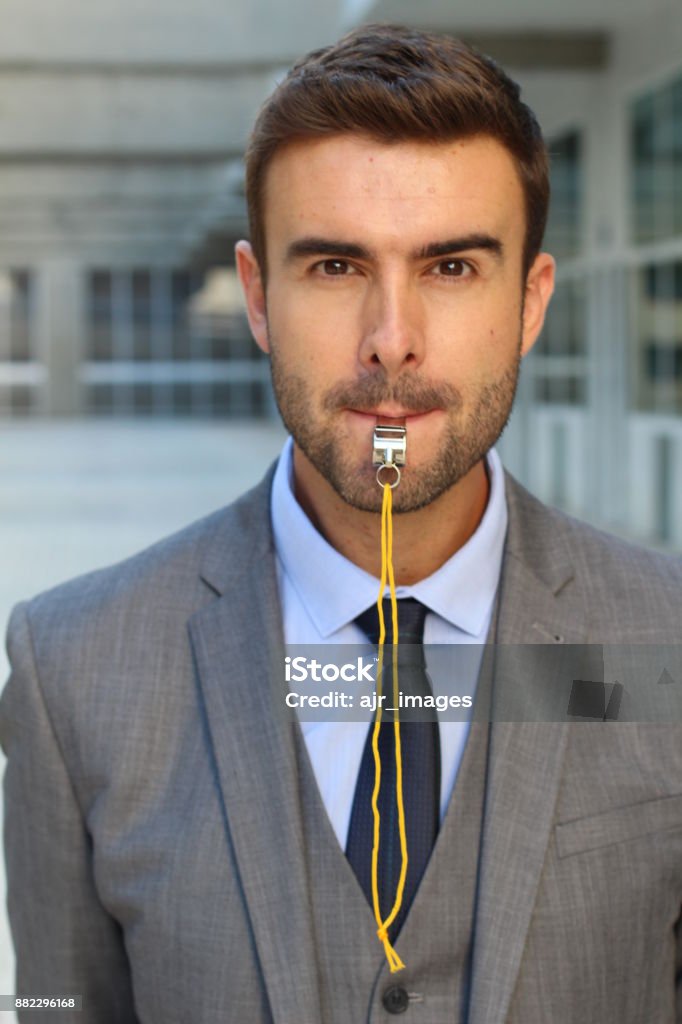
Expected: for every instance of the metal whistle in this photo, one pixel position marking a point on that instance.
(389, 450)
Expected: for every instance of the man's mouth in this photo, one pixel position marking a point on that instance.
(392, 417)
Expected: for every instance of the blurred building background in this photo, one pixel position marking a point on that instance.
(122, 128)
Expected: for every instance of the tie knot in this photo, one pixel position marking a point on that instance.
(411, 616)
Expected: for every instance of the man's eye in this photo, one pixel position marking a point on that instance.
(334, 268)
(454, 268)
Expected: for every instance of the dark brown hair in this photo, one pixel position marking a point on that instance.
(396, 84)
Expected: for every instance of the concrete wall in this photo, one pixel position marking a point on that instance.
(163, 30)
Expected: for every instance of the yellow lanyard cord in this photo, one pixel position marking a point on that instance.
(394, 961)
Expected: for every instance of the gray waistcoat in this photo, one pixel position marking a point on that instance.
(435, 942)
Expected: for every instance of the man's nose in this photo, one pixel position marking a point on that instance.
(393, 329)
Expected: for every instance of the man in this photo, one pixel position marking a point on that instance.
(176, 849)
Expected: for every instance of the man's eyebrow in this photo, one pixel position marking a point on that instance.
(311, 246)
(302, 248)
(463, 244)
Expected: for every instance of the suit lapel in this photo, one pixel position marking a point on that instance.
(538, 604)
(238, 646)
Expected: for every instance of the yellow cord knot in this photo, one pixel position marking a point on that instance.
(394, 962)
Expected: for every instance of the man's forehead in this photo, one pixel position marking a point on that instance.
(349, 154)
(322, 181)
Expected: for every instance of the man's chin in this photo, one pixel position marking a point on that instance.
(363, 493)
(358, 489)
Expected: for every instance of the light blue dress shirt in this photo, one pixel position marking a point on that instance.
(322, 592)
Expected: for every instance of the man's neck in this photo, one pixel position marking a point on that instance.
(422, 540)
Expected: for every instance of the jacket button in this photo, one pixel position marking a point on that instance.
(395, 999)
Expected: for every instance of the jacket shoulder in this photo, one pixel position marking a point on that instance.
(616, 577)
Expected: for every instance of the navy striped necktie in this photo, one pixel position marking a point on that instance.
(420, 749)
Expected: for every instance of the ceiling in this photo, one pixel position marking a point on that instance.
(514, 16)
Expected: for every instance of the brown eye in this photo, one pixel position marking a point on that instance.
(453, 268)
(335, 267)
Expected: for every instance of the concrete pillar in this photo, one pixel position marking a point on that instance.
(609, 341)
(61, 333)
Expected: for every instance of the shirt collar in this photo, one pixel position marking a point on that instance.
(334, 591)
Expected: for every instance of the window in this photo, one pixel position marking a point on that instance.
(560, 355)
(656, 282)
(15, 316)
(657, 294)
(169, 341)
(656, 154)
(21, 376)
(564, 225)
(559, 360)
(100, 315)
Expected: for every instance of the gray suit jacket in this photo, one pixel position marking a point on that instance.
(153, 835)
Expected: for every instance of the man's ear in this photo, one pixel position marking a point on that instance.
(538, 292)
(254, 293)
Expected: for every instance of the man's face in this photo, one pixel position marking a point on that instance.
(394, 294)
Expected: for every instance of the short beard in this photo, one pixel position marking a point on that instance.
(464, 443)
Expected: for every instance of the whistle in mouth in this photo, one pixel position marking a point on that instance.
(389, 446)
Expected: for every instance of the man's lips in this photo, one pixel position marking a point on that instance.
(395, 417)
